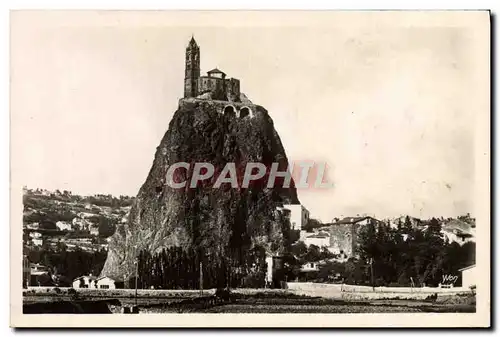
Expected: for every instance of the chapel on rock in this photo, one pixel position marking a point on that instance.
(213, 86)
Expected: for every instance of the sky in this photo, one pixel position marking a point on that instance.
(388, 102)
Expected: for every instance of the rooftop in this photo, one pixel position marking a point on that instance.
(216, 71)
(355, 219)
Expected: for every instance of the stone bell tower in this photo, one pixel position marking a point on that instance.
(192, 73)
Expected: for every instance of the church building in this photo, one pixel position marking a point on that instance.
(214, 85)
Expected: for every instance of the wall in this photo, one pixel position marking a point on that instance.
(341, 238)
(354, 292)
(468, 277)
(219, 105)
(233, 89)
(215, 85)
(223, 89)
(344, 237)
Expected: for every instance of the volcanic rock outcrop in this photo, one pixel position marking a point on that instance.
(212, 219)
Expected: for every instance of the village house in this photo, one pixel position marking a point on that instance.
(105, 282)
(343, 234)
(33, 226)
(94, 230)
(64, 226)
(320, 239)
(468, 276)
(37, 269)
(458, 236)
(31, 272)
(79, 223)
(35, 235)
(93, 282)
(84, 215)
(85, 282)
(299, 216)
(309, 267)
(36, 238)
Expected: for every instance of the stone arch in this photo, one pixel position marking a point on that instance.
(229, 111)
(245, 111)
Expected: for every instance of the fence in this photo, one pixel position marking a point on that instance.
(347, 291)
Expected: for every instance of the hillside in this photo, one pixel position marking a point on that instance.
(62, 219)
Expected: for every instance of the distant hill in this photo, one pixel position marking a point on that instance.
(45, 209)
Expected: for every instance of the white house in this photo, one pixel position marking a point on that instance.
(35, 235)
(105, 282)
(94, 230)
(37, 269)
(79, 223)
(85, 282)
(458, 236)
(321, 239)
(64, 226)
(299, 216)
(37, 241)
(310, 266)
(33, 225)
(468, 276)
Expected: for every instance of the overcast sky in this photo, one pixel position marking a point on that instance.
(388, 102)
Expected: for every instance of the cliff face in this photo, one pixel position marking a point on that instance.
(215, 220)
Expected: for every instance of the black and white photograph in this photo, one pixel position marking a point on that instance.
(189, 164)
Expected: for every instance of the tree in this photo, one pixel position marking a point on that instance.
(312, 224)
(328, 271)
(106, 227)
(404, 253)
(313, 254)
(299, 249)
(47, 224)
(367, 247)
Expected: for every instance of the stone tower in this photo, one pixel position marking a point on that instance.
(192, 69)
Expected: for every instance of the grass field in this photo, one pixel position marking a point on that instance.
(241, 301)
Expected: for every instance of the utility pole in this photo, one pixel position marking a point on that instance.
(136, 272)
(371, 272)
(201, 278)
(136, 277)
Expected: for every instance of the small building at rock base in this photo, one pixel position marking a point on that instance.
(105, 282)
(468, 276)
(86, 281)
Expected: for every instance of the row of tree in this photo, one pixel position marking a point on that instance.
(409, 255)
(179, 268)
(64, 266)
